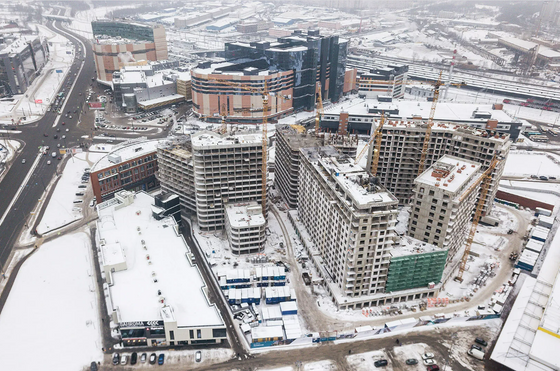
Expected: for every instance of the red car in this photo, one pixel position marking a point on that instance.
(63, 123)
(432, 368)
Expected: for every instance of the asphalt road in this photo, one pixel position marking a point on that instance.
(32, 136)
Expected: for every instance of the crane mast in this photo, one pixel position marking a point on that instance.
(437, 85)
(485, 179)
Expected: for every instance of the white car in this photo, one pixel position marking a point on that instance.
(429, 361)
(23, 161)
(428, 355)
(49, 162)
(198, 356)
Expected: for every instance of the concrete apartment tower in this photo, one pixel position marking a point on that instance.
(351, 219)
(443, 202)
(401, 151)
(290, 139)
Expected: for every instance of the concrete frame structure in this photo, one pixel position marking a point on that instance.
(245, 227)
(401, 151)
(176, 172)
(443, 203)
(227, 169)
(117, 44)
(351, 219)
(389, 81)
(209, 171)
(131, 166)
(156, 295)
(289, 140)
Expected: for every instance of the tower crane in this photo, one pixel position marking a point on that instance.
(319, 112)
(265, 96)
(436, 86)
(485, 179)
(223, 129)
(377, 136)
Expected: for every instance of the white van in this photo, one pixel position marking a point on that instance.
(476, 353)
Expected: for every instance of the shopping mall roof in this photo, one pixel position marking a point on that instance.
(159, 282)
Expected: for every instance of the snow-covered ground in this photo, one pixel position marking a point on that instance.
(45, 86)
(61, 209)
(8, 149)
(523, 163)
(51, 314)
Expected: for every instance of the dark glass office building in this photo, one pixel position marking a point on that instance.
(313, 58)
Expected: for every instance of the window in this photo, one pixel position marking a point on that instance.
(198, 334)
(431, 193)
(171, 335)
(191, 334)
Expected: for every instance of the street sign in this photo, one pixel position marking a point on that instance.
(58, 71)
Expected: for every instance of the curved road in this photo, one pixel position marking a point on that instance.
(25, 179)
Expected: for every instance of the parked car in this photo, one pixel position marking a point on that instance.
(432, 368)
(380, 363)
(481, 341)
(153, 358)
(198, 356)
(429, 361)
(133, 358)
(412, 361)
(477, 347)
(160, 359)
(116, 359)
(124, 360)
(428, 355)
(143, 358)
(93, 366)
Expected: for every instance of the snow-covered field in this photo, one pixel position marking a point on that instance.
(51, 315)
(522, 163)
(61, 209)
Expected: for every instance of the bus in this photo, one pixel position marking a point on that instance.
(539, 138)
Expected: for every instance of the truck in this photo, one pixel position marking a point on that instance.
(490, 220)
(478, 354)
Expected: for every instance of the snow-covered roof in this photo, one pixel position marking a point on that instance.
(411, 246)
(157, 100)
(450, 173)
(126, 151)
(452, 112)
(245, 215)
(352, 180)
(157, 267)
(204, 139)
(18, 45)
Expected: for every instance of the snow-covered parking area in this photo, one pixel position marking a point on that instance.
(51, 314)
(527, 163)
(61, 209)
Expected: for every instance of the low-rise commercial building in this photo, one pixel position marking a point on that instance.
(130, 166)
(388, 82)
(156, 295)
(148, 86)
